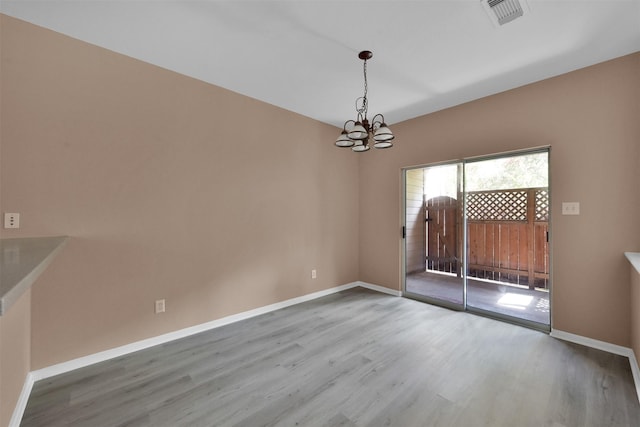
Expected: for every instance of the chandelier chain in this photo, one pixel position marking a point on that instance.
(366, 86)
(364, 107)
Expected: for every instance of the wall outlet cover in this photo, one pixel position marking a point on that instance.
(11, 220)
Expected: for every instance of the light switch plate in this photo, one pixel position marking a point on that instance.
(160, 306)
(570, 208)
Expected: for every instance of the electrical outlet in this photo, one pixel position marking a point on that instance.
(570, 208)
(314, 274)
(160, 306)
(11, 220)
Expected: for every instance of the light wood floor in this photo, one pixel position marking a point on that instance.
(357, 358)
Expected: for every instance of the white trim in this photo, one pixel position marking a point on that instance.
(81, 362)
(102, 356)
(590, 342)
(21, 405)
(635, 370)
(604, 346)
(379, 288)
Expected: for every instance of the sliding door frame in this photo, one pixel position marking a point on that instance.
(464, 252)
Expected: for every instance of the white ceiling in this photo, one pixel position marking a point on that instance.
(302, 55)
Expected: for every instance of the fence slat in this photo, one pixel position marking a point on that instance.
(506, 232)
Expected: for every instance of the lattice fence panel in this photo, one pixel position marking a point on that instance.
(509, 205)
(542, 204)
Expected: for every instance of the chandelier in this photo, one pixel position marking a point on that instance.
(356, 133)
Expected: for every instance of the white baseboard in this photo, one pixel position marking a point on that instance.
(635, 371)
(604, 346)
(379, 288)
(102, 356)
(91, 359)
(590, 342)
(161, 339)
(21, 405)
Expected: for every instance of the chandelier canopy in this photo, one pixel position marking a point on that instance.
(356, 133)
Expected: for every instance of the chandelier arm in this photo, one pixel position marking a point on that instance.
(344, 127)
(377, 122)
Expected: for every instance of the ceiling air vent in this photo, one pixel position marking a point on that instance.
(503, 11)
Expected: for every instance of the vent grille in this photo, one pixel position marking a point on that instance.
(505, 10)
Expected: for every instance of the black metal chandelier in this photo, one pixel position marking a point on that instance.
(360, 130)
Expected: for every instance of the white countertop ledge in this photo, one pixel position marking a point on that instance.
(21, 263)
(634, 259)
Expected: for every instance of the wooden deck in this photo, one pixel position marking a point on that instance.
(515, 301)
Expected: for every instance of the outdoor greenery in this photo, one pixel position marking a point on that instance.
(525, 171)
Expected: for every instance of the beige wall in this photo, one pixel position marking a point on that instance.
(591, 120)
(169, 188)
(15, 352)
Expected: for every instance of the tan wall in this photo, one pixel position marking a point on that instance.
(15, 353)
(169, 188)
(590, 118)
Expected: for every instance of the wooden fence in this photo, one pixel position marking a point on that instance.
(443, 239)
(507, 234)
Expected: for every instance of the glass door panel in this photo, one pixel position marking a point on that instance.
(434, 234)
(507, 223)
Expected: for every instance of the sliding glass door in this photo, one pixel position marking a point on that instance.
(477, 236)
(434, 234)
(507, 214)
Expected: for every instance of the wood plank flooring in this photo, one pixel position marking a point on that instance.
(357, 358)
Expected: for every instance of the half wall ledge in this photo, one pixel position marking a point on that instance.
(634, 259)
(22, 261)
